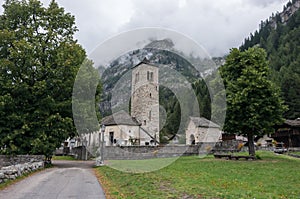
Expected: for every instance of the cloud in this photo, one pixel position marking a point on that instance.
(265, 3)
(218, 25)
(97, 20)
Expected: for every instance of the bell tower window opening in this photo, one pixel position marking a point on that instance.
(137, 76)
(149, 76)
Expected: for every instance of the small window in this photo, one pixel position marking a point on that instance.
(150, 95)
(145, 122)
(137, 76)
(150, 115)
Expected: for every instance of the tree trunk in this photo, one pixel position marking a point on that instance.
(48, 161)
(251, 144)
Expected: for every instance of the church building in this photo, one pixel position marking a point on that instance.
(141, 127)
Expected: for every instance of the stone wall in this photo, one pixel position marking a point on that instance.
(81, 153)
(12, 167)
(147, 152)
(7, 160)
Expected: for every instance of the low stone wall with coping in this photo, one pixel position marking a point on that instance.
(148, 152)
(12, 167)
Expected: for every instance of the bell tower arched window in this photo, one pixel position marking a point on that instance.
(149, 76)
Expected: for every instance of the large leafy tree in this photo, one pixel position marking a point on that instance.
(39, 60)
(253, 102)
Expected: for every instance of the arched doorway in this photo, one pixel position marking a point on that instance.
(192, 139)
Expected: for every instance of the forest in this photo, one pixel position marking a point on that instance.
(280, 37)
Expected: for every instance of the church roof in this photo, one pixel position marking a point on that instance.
(120, 118)
(145, 61)
(203, 122)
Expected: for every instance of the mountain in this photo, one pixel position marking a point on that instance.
(116, 80)
(280, 37)
(166, 44)
(170, 58)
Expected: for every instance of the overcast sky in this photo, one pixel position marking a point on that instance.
(217, 25)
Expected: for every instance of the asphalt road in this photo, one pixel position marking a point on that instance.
(67, 180)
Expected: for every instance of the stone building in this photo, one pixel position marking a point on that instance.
(201, 130)
(145, 97)
(142, 126)
(123, 130)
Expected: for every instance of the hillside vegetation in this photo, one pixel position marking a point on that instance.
(280, 37)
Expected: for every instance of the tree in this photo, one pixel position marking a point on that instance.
(39, 60)
(290, 85)
(281, 40)
(203, 98)
(86, 98)
(253, 102)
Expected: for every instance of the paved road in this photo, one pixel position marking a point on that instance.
(68, 179)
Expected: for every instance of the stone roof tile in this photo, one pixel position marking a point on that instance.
(120, 118)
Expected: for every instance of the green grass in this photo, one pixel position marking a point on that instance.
(275, 176)
(63, 158)
(141, 166)
(295, 152)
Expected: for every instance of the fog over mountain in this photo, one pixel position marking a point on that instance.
(217, 25)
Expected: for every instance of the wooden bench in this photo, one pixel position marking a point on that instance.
(234, 157)
(227, 156)
(237, 157)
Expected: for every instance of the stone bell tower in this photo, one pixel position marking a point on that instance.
(145, 97)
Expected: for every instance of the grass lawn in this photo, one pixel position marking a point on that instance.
(63, 158)
(295, 152)
(275, 176)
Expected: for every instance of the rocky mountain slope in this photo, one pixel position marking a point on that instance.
(170, 58)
